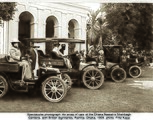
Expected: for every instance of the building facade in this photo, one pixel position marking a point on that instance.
(41, 20)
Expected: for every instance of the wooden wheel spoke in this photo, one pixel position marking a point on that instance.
(60, 89)
(1, 82)
(56, 96)
(48, 85)
(90, 82)
(60, 85)
(1, 91)
(96, 82)
(96, 73)
(2, 86)
(87, 77)
(59, 93)
(52, 95)
(89, 74)
(92, 73)
(47, 89)
(93, 83)
(98, 77)
(49, 92)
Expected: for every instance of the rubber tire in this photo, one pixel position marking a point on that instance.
(140, 71)
(69, 84)
(116, 79)
(6, 86)
(101, 79)
(63, 85)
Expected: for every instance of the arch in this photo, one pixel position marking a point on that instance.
(51, 31)
(73, 32)
(26, 27)
(73, 27)
(51, 26)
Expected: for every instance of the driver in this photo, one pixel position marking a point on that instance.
(58, 53)
(15, 55)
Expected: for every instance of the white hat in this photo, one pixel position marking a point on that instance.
(15, 40)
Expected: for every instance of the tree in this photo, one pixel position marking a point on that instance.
(95, 26)
(7, 10)
(130, 23)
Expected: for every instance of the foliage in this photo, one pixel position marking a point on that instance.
(130, 23)
(7, 10)
(95, 26)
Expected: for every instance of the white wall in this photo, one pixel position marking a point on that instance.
(63, 12)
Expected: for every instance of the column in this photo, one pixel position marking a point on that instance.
(57, 32)
(33, 28)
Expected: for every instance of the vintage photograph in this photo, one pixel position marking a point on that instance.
(76, 57)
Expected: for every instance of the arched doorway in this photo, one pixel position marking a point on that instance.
(72, 33)
(72, 29)
(51, 31)
(51, 22)
(26, 28)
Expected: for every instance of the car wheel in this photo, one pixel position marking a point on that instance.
(53, 89)
(118, 74)
(3, 86)
(68, 81)
(93, 78)
(135, 71)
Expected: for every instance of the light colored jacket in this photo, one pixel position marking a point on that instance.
(15, 54)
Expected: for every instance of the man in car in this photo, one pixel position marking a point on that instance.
(59, 54)
(15, 56)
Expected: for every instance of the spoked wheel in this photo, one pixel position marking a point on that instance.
(93, 78)
(118, 74)
(66, 78)
(54, 89)
(135, 71)
(3, 86)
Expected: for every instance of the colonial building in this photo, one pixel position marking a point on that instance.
(40, 20)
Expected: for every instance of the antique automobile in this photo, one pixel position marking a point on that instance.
(113, 55)
(87, 73)
(111, 60)
(49, 80)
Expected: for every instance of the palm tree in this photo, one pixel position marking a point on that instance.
(95, 26)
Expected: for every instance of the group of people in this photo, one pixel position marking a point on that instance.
(96, 54)
(16, 55)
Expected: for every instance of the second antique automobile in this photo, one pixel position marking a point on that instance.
(111, 61)
(113, 55)
(49, 79)
(88, 73)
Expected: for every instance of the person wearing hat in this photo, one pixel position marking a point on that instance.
(59, 54)
(56, 49)
(15, 55)
(92, 54)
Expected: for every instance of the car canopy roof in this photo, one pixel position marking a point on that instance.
(67, 40)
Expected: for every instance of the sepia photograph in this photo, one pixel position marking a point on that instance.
(76, 57)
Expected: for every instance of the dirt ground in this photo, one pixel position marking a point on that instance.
(133, 95)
